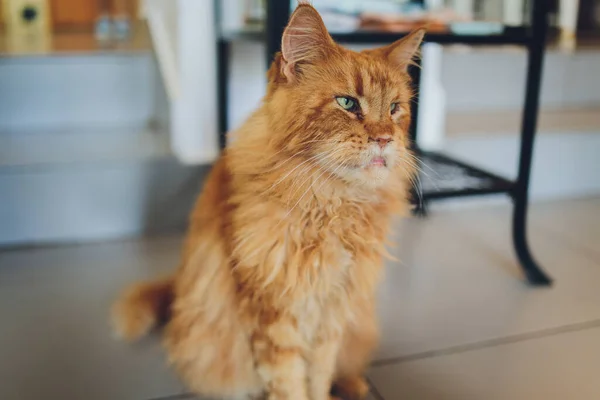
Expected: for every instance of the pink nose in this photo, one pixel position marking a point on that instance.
(381, 141)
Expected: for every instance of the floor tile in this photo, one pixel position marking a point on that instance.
(576, 221)
(370, 396)
(458, 282)
(558, 367)
(55, 340)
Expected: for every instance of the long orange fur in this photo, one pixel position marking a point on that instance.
(275, 295)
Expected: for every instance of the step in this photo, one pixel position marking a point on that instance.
(508, 122)
(83, 145)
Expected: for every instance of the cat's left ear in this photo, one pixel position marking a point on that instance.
(402, 52)
(305, 40)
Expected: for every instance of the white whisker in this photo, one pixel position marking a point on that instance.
(311, 185)
(326, 165)
(290, 172)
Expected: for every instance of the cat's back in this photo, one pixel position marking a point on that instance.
(209, 232)
(206, 338)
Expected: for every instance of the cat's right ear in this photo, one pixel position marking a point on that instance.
(305, 40)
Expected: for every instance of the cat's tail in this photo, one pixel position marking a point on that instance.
(141, 308)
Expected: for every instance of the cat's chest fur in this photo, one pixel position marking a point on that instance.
(314, 263)
(331, 240)
(341, 265)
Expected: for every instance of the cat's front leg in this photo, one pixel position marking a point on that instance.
(321, 368)
(278, 351)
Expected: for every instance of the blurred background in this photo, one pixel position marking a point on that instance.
(112, 112)
(109, 109)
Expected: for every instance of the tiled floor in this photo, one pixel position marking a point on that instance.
(458, 323)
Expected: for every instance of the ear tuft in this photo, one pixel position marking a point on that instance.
(403, 51)
(305, 39)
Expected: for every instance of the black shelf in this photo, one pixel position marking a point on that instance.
(443, 177)
(511, 36)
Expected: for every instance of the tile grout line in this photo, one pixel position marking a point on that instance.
(180, 396)
(579, 326)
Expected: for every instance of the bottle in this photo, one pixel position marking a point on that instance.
(27, 25)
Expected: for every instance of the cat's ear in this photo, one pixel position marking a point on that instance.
(403, 51)
(305, 40)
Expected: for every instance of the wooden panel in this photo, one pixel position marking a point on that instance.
(123, 7)
(83, 13)
(75, 13)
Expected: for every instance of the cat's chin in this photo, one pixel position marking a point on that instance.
(371, 176)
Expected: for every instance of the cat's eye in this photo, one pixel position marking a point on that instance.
(347, 103)
(394, 108)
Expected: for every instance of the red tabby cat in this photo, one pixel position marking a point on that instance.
(275, 294)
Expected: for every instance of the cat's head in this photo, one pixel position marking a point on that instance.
(348, 112)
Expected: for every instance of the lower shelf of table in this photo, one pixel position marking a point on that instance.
(443, 177)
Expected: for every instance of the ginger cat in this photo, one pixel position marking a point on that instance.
(275, 295)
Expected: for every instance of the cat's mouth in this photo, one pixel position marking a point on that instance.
(377, 162)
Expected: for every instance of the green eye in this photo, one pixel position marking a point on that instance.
(347, 103)
(393, 107)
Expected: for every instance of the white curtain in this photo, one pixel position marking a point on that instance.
(184, 36)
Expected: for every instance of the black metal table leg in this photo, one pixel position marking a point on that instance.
(278, 14)
(223, 51)
(534, 274)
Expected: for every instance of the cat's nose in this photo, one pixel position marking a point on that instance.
(382, 141)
